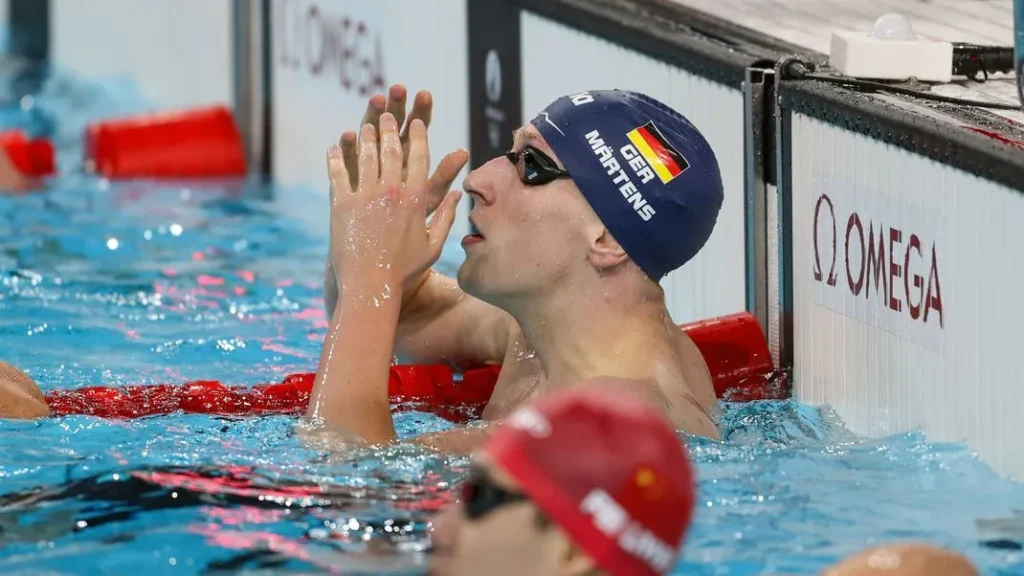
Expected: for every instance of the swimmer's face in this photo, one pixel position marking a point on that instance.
(534, 238)
(509, 538)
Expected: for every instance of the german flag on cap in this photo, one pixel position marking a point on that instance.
(666, 161)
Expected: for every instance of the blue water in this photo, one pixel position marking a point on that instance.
(137, 282)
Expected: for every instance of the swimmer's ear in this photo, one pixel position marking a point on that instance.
(605, 251)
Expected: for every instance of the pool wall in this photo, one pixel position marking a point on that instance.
(909, 324)
(906, 316)
(178, 52)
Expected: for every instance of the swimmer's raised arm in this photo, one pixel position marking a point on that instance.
(441, 324)
(380, 244)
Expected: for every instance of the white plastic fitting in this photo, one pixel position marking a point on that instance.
(891, 51)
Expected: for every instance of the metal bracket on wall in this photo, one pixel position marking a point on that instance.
(252, 80)
(29, 27)
(759, 167)
(780, 233)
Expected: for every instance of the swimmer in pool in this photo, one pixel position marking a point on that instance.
(904, 559)
(599, 197)
(581, 482)
(12, 181)
(20, 396)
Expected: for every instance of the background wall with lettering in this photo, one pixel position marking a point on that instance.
(905, 288)
(558, 60)
(330, 56)
(178, 52)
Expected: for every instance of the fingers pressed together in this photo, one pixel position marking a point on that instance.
(363, 153)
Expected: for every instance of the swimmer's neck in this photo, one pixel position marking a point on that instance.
(578, 336)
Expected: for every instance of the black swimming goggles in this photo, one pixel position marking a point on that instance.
(481, 496)
(535, 167)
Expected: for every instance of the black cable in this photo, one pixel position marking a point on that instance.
(795, 69)
(914, 93)
(971, 59)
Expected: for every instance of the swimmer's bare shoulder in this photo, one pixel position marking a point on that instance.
(20, 396)
(694, 370)
(519, 379)
(681, 408)
(688, 418)
(682, 386)
(682, 380)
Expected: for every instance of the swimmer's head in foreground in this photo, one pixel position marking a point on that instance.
(605, 184)
(904, 559)
(583, 482)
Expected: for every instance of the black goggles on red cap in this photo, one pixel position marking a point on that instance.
(535, 167)
(480, 495)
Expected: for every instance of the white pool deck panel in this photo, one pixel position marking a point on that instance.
(810, 23)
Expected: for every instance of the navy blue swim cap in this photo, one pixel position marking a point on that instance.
(647, 172)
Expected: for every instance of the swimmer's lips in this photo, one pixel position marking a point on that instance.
(471, 239)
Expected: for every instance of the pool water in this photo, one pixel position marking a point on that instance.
(140, 282)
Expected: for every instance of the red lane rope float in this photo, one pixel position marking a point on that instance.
(737, 355)
(32, 157)
(733, 346)
(193, 143)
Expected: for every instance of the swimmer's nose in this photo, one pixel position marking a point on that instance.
(477, 186)
(476, 195)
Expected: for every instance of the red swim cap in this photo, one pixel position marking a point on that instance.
(608, 469)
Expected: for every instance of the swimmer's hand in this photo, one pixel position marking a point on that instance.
(380, 240)
(422, 109)
(439, 184)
